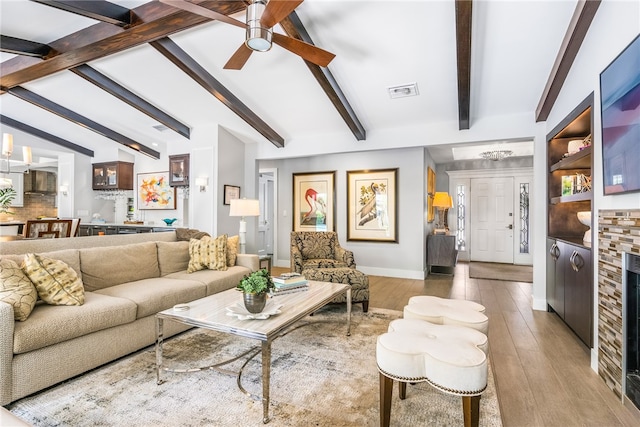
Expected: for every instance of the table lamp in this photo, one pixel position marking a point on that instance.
(441, 201)
(244, 208)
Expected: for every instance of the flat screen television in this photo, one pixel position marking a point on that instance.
(620, 107)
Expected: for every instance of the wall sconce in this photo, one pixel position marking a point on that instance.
(64, 189)
(202, 182)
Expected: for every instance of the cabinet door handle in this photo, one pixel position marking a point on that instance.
(580, 263)
(553, 253)
(572, 261)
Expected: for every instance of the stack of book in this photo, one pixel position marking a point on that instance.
(288, 283)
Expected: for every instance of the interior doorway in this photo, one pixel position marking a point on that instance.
(267, 226)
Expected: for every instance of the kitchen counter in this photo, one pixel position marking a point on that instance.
(97, 228)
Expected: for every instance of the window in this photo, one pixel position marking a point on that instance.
(524, 218)
(460, 217)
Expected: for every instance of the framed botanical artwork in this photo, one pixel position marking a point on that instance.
(231, 192)
(431, 191)
(314, 201)
(372, 204)
(154, 191)
(179, 170)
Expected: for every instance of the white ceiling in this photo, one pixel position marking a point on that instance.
(378, 44)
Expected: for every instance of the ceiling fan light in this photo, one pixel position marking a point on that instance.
(258, 38)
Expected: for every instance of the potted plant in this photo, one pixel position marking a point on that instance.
(255, 288)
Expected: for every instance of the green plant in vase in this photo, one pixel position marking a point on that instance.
(255, 288)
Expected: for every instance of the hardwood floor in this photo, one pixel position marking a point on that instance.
(542, 370)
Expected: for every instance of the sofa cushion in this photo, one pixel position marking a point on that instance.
(113, 265)
(50, 324)
(233, 243)
(172, 257)
(154, 295)
(215, 281)
(55, 281)
(208, 253)
(16, 289)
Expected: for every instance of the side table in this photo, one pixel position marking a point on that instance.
(441, 251)
(265, 262)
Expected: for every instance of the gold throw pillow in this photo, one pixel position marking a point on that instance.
(233, 243)
(55, 281)
(208, 253)
(16, 289)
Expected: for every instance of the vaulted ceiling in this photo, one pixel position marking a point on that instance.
(87, 75)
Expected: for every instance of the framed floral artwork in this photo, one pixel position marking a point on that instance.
(314, 201)
(372, 204)
(154, 191)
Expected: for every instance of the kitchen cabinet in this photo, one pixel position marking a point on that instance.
(570, 286)
(17, 182)
(108, 229)
(112, 176)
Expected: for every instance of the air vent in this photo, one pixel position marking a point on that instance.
(402, 91)
(160, 128)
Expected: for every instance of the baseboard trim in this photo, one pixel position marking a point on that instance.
(539, 304)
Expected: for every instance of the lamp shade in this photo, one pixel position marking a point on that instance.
(442, 200)
(244, 207)
(7, 144)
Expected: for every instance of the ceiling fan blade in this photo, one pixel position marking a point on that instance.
(305, 50)
(239, 58)
(277, 10)
(203, 11)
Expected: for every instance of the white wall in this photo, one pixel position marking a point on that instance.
(615, 25)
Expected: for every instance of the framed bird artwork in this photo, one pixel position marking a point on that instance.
(372, 205)
(314, 201)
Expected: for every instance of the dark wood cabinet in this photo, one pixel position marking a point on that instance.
(113, 176)
(441, 251)
(569, 275)
(569, 286)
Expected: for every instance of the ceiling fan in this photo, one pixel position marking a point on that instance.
(262, 15)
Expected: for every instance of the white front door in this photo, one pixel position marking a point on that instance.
(492, 217)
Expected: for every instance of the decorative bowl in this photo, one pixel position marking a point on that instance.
(169, 221)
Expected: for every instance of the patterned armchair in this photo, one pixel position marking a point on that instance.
(318, 249)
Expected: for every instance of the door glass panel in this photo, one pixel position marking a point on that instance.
(524, 218)
(460, 217)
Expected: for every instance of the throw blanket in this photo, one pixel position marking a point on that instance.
(190, 233)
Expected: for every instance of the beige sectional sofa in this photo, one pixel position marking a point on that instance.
(127, 280)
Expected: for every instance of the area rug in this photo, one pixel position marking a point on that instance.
(319, 377)
(495, 271)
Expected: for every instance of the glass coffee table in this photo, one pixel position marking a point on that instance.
(211, 313)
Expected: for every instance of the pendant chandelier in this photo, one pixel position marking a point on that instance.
(496, 155)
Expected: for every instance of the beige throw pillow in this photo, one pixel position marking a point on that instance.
(233, 243)
(55, 281)
(16, 289)
(208, 253)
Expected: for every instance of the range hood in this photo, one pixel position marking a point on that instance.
(40, 182)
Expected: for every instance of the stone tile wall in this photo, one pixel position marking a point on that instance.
(618, 233)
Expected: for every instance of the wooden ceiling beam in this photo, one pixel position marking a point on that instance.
(104, 11)
(122, 93)
(154, 21)
(190, 67)
(25, 47)
(463, 53)
(72, 116)
(576, 32)
(294, 28)
(8, 121)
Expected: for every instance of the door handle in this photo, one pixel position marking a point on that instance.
(580, 263)
(553, 253)
(572, 261)
(510, 226)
